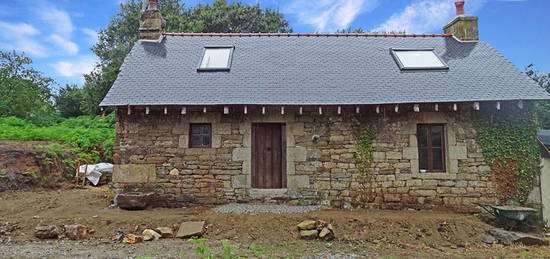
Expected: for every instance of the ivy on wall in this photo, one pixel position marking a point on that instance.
(364, 160)
(511, 149)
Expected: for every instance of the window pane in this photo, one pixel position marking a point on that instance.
(422, 136)
(437, 135)
(216, 58)
(438, 159)
(418, 59)
(423, 158)
(200, 135)
(206, 130)
(196, 141)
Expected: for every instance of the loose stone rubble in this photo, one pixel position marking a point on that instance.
(135, 200)
(47, 232)
(508, 237)
(165, 232)
(77, 231)
(316, 229)
(132, 239)
(150, 234)
(190, 229)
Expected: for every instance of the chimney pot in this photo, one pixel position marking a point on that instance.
(459, 7)
(152, 5)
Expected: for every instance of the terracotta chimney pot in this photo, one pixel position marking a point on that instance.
(152, 5)
(459, 7)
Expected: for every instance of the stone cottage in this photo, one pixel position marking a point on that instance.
(217, 118)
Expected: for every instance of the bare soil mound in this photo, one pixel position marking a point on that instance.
(408, 232)
(23, 166)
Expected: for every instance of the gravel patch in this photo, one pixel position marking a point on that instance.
(263, 208)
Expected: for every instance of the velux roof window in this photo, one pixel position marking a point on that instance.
(418, 59)
(216, 58)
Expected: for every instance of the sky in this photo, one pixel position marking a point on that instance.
(58, 34)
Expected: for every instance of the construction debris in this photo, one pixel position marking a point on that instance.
(47, 232)
(165, 231)
(150, 234)
(77, 231)
(509, 237)
(190, 229)
(132, 239)
(313, 229)
(135, 200)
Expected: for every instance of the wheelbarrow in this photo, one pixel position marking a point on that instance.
(515, 213)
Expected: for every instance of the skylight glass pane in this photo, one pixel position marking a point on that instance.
(418, 59)
(216, 58)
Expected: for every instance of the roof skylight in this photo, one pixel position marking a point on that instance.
(418, 59)
(216, 58)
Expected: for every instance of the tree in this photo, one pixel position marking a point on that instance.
(350, 30)
(118, 37)
(68, 101)
(542, 108)
(24, 92)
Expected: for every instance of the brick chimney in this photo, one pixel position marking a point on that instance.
(463, 26)
(151, 24)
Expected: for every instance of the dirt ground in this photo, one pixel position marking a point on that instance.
(359, 234)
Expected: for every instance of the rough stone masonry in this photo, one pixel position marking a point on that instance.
(152, 154)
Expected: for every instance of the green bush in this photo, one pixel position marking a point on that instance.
(86, 134)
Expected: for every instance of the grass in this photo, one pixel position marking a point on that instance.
(85, 133)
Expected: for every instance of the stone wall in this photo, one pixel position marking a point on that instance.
(152, 154)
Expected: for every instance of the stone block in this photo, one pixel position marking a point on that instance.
(134, 173)
(423, 192)
(403, 176)
(414, 183)
(298, 181)
(458, 152)
(410, 153)
(379, 156)
(191, 228)
(429, 183)
(296, 128)
(221, 129)
(239, 181)
(394, 155)
(216, 141)
(296, 154)
(181, 128)
(413, 141)
(392, 197)
(241, 154)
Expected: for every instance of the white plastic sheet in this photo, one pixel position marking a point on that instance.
(94, 172)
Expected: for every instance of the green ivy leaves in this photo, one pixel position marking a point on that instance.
(510, 147)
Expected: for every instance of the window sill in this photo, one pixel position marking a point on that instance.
(434, 175)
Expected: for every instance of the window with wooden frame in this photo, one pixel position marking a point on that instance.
(431, 147)
(200, 135)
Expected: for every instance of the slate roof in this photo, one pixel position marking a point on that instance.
(314, 70)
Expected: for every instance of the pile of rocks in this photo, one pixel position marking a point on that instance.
(72, 232)
(186, 229)
(314, 229)
(509, 237)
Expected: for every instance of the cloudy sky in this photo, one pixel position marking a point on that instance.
(58, 34)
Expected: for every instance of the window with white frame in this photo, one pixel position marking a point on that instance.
(216, 58)
(418, 59)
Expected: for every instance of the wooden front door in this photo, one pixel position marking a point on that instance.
(268, 156)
